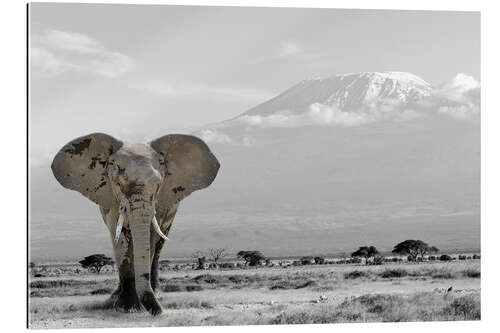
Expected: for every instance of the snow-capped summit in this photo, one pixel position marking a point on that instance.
(347, 91)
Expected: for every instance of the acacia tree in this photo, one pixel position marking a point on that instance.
(414, 248)
(252, 258)
(217, 254)
(366, 252)
(96, 262)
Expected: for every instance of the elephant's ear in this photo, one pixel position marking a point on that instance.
(81, 165)
(189, 166)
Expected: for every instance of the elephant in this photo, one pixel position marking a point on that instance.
(138, 188)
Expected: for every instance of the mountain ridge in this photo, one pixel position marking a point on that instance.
(347, 92)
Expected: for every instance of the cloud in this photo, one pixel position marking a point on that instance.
(214, 136)
(54, 52)
(248, 141)
(326, 115)
(288, 49)
(193, 90)
(460, 98)
(460, 112)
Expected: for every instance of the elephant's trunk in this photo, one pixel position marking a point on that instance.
(140, 223)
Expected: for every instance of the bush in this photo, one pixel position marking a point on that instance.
(394, 273)
(209, 278)
(282, 285)
(310, 283)
(466, 307)
(476, 256)
(471, 273)
(307, 260)
(194, 287)
(170, 288)
(56, 284)
(355, 274)
(236, 278)
(319, 260)
(101, 291)
(379, 260)
(252, 258)
(355, 260)
(445, 257)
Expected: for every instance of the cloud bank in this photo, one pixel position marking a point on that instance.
(54, 52)
(459, 99)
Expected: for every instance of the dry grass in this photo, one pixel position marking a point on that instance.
(393, 292)
(390, 308)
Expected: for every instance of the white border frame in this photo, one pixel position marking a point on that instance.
(13, 172)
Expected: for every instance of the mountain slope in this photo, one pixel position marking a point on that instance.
(347, 92)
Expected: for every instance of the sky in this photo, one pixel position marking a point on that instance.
(136, 71)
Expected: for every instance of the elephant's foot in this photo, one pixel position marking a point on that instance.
(151, 303)
(125, 300)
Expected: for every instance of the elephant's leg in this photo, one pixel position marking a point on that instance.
(157, 244)
(125, 296)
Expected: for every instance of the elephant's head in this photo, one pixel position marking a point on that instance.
(144, 181)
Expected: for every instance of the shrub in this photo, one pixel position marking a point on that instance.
(445, 257)
(169, 288)
(319, 260)
(394, 273)
(476, 256)
(355, 274)
(236, 278)
(471, 273)
(355, 260)
(282, 285)
(56, 284)
(378, 260)
(252, 258)
(101, 291)
(194, 287)
(310, 283)
(209, 278)
(307, 260)
(443, 275)
(465, 307)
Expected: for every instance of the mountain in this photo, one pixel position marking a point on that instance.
(347, 92)
(326, 166)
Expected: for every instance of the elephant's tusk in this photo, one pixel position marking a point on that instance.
(157, 228)
(119, 228)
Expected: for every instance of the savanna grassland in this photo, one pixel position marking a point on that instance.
(332, 293)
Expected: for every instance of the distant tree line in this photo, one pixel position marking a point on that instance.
(414, 250)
